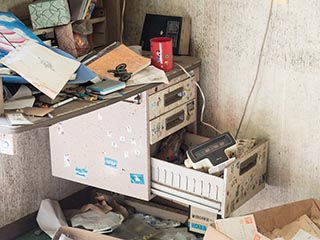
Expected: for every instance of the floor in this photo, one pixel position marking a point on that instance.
(33, 235)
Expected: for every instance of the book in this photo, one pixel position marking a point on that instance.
(113, 55)
(75, 8)
(105, 87)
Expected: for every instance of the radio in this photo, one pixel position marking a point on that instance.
(211, 154)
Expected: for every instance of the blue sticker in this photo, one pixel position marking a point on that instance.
(111, 163)
(136, 178)
(81, 172)
(199, 227)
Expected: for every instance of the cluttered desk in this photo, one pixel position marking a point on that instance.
(52, 97)
(114, 116)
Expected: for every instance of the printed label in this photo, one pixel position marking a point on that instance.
(111, 163)
(81, 172)
(136, 178)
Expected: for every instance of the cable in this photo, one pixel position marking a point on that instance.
(122, 20)
(203, 100)
(258, 69)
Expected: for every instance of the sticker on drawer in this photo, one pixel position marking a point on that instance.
(67, 161)
(81, 172)
(136, 178)
(110, 163)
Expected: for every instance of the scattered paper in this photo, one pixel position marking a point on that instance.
(259, 236)
(19, 103)
(150, 74)
(50, 217)
(303, 235)
(289, 231)
(17, 119)
(97, 221)
(46, 70)
(21, 99)
(240, 228)
(22, 92)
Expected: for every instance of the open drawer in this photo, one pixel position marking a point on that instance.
(241, 180)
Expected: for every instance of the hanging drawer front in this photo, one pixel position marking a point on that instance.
(172, 121)
(94, 149)
(186, 185)
(241, 180)
(171, 97)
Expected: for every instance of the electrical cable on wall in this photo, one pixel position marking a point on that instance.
(203, 100)
(258, 70)
(122, 20)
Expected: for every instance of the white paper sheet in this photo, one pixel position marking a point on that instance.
(240, 228)
(303, 235)
(150, 74)
(17, 119)
(50, 217)
(43, 68)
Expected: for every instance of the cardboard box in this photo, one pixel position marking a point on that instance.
(49, 13)
(199, 220)
(269, 219)
(80, 234)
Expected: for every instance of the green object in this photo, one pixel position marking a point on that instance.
(49, 13)
(34, 235)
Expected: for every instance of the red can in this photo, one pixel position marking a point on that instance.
(161, 53)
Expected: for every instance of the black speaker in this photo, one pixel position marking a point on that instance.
(177, 28)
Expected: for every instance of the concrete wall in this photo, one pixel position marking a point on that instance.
(227, 36)
(25, 178)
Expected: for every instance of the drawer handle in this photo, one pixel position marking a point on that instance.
(175, 120)
(248, 164)
(173, 96)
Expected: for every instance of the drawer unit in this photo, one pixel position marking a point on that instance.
(172, 121)
(222, 195)
(171, 97)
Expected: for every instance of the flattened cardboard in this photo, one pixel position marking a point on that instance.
(111, 59)
(277, 217)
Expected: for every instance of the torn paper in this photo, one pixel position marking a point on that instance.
(150, 74)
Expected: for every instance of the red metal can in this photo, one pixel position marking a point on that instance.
(161, 53)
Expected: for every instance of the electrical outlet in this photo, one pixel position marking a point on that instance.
(7, 144)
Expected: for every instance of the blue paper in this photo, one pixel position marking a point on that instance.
(14, 33)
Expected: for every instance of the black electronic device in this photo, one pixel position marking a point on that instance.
(177, 28)
(211, 153)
